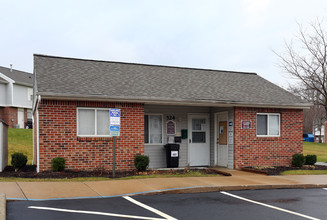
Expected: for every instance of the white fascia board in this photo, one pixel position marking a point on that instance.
(7, 78)
(17, 106)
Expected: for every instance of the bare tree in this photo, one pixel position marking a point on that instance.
(313, 118)
(305, 59)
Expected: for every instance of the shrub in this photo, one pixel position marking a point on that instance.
(298, 160)
(141, 162)
(310, 159)
(18, 160)
(58, 164)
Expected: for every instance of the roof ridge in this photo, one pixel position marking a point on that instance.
(143, 64)
(8, 68)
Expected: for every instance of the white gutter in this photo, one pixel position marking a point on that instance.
(36, 110)
(38, 135)
(154, 101)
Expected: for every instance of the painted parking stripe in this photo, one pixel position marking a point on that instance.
(94, 213)
(149, 208)
(269, 206)
(325, 188)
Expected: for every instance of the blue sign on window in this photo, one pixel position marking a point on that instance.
(114, 112)
(114, 128)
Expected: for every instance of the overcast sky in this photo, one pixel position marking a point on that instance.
(226, 35)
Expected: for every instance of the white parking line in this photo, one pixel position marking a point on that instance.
(324, 188)
(94, 213)
(270, 206)
(149, 208)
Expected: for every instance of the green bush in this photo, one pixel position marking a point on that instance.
(18, 160)
(310, 159)
(141, 162)
(298, 160)
(58, 164)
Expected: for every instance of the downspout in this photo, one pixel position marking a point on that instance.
(38, 135)
(36, 110)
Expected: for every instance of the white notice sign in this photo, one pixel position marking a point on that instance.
(115, 120)
(174, 153)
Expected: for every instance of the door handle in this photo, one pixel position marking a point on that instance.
(189, 140)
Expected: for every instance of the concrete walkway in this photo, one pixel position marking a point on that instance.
(101, 189)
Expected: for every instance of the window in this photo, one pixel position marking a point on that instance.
(29, 94)
(153, 129)
(198, 135)
(268, 124)
(92, 122)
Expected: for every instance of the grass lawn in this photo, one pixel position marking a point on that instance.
(305, 172)
(21, 141)
(318, 149)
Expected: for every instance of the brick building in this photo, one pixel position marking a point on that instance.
(16, 97)
(219, 118)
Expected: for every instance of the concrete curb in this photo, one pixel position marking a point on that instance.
(3, 206)
(204, 189)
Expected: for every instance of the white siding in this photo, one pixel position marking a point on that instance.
(3, 94)
(157, 153)
(21, 96)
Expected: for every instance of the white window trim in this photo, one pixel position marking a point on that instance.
(162, 131)
(268, 125)
(95, 124)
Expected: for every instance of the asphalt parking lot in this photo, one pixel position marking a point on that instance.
(248, 204)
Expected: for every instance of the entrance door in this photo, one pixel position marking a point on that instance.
(199, 140)
(20, 118)
(222, 139)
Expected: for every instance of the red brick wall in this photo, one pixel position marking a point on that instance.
(58, 136)
(9, 115)
(250, 150)
(35, 138)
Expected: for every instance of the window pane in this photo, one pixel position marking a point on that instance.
(86, 122)
(155, 129)
(199, 137)
(273, 124)
(102, 122)
(196, 123)
(146, 129)
(261, 124)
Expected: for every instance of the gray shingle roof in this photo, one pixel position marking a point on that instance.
(73, 78)
(19, 77)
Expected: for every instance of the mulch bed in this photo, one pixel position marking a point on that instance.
(29, 171)
(279, 170)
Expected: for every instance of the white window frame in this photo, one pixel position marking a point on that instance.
(268, 135)
(95, 124)
(162, 131)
